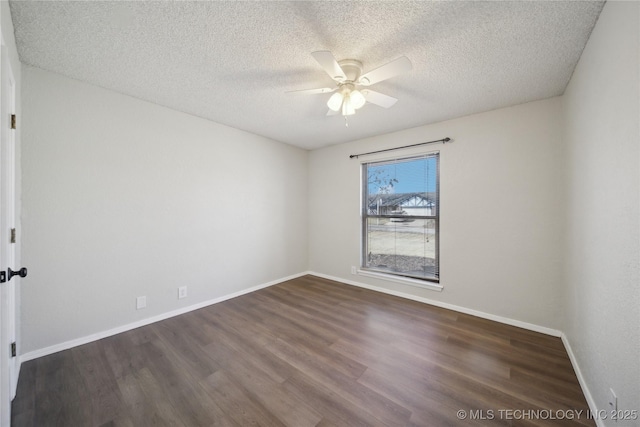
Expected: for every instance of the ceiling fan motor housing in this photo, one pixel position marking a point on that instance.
(352, 69)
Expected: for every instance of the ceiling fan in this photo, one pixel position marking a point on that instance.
(351, 91)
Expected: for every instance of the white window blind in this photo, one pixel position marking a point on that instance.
(400, 217)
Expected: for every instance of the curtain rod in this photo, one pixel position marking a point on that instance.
(443, 140)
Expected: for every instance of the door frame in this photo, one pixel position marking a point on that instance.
(9, 365)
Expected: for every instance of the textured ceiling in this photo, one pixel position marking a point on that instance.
(231, 62)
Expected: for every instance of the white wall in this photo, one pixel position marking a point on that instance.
(602, 135)
(501, 210)
(124, 198)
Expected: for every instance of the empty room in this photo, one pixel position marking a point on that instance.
(320, 213)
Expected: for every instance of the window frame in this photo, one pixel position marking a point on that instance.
(432, 282)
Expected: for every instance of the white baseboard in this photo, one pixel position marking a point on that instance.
(104, 334)
(583, 383)
(460, 309)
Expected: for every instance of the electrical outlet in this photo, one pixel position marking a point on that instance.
(613, 401)
(141, 302)
(353, 269)
(182, 292)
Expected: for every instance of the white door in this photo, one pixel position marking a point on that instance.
(9, 368)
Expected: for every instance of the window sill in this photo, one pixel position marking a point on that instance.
(403, 280)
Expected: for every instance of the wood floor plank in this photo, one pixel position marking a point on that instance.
(61, 394)
(195, 407)
(147, 401)
(290, 409)
(385, 410)
(306, 352)
(335, 408)
(251, 344)
(236, 403)
(129, 352)
(421, 400)
(338, 320)
(545, 382)
(181, 349)
(277, 313)
(24, 404)
(104, 395)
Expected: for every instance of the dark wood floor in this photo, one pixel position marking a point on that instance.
(307, 352)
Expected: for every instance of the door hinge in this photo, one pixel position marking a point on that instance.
(13, 236)
(13, 349)
(13, 121)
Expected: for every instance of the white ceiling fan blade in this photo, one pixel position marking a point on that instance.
(312, 91)
(330, 65)
(332, 113)
(386, 71)
(378, 98)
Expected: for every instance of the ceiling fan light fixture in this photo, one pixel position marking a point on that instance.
(335, 101)
(357, 99)
(347, 106)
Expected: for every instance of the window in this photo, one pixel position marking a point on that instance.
(400, 217)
